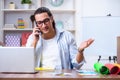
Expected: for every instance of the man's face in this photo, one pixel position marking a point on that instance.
(44, 23)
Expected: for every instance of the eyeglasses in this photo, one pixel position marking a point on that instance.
(45, 21)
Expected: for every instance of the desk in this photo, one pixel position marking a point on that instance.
(45, 75)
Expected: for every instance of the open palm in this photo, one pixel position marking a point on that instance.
(86, 44)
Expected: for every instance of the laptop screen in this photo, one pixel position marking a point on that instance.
(17, 59)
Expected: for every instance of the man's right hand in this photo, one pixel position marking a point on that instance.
(36, 33)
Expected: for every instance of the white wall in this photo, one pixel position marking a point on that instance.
(104, 29)
(101, 7)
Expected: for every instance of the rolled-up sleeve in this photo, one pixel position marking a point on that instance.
(73, 53)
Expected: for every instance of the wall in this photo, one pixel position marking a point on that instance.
(98, 25)
(104, 29)
(101, 7)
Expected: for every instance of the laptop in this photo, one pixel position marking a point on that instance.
(17, 59)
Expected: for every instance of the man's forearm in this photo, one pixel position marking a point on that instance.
(80, 56)
(34, 43)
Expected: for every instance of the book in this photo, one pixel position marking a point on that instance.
(24, 37)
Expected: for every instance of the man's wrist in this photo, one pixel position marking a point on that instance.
(80, 50)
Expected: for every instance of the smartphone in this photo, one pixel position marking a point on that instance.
(37, 30)
(39, 33)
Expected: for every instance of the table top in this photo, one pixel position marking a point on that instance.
(50, 75)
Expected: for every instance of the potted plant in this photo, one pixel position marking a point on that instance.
(26, 3)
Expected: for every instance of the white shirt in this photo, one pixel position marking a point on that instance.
(50, 53)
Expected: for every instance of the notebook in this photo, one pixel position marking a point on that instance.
(17, 59)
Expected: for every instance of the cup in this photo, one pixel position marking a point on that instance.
(58, 70)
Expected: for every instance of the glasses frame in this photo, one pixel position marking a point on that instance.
(45, 21)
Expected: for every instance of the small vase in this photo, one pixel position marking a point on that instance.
(11, 5)
(26, 6)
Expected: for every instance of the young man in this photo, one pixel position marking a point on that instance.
(54, 47)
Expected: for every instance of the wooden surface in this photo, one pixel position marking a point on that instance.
(49, 75)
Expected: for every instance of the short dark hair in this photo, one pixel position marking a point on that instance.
(42, 10)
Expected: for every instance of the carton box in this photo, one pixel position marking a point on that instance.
(118, 49)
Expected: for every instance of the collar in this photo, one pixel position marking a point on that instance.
(59, 32)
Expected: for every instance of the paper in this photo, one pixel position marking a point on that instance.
(87, 72)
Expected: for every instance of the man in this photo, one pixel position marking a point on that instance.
(54, 47)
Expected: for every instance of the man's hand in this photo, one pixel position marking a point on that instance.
(36, 32)
(85, 44)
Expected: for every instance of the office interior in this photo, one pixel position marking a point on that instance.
(97, 19)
